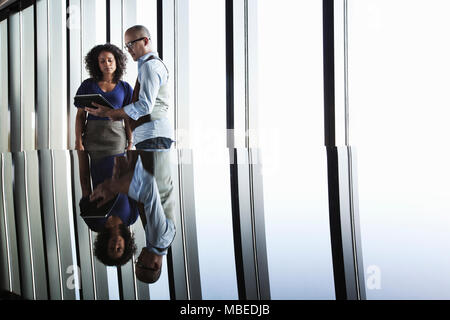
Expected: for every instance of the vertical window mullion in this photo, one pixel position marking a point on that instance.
(344, 227)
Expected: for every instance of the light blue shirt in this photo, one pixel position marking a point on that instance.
(159, 230)
(151, 76)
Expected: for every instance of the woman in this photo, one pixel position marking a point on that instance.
(106, 65)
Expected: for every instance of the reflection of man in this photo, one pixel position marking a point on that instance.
(148, 111)
(141, 186)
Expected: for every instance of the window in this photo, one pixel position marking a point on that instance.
(207, 133)
(139, 12)
(398, 84)
(291, 137)
(4, 109)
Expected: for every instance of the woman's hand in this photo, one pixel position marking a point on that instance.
(130, 145)
(79, 146)
(80, 125)
(129, 134)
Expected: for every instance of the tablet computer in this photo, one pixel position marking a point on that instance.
(86, 100)
(89, 209)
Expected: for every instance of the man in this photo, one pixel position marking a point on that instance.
(140, 185)
(148, 111)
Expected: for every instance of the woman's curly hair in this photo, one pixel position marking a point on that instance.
(91, 61)
(101, 246)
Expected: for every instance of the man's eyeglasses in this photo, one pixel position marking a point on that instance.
(130, 44)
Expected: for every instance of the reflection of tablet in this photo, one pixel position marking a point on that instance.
(86, 100)
(89, 209)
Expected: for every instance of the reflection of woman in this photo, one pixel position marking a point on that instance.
(114, 244)
(136, 177)
(106, 65)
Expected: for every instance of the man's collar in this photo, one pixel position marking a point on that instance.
(142, 59)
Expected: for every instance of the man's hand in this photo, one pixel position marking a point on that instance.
(119, 182)
(101, 111)
(105, 112)
(102, 191)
